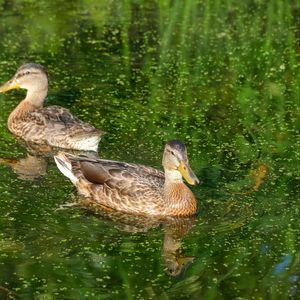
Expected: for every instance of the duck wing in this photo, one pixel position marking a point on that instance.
(56, 118)
(59, 128)
(128, 179)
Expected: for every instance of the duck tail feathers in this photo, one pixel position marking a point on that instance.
(64, 165)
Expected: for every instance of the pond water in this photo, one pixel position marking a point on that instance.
(224, 77)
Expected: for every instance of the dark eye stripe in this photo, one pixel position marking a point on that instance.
(26, 73)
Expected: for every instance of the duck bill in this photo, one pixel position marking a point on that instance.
(187, 173)
(9, 85)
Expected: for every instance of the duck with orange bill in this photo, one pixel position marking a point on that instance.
(52, 125)
(133, 188)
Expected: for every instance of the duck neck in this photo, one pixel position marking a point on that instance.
(172, 177)
(32, 101)
(180, 199)
(36, 97)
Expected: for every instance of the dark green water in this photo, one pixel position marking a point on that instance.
(224, 77)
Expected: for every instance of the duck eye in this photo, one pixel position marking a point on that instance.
(172, 152)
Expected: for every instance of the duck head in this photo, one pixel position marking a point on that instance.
(176, 164)
(32, 77)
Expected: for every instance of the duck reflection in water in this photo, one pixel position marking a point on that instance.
(43, 129)
(175, 230)
(35, 164)
(29, 168)
(140, 195)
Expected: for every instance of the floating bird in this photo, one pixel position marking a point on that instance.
(133, 188)
(52, 125)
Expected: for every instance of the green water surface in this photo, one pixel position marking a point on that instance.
(224, 77)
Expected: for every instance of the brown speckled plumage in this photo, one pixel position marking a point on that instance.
(53, 125)
(134, 188)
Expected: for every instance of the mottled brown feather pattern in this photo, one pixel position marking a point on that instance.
(130, 188)
(53, 125)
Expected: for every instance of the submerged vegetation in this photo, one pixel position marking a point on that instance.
(224, 77)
